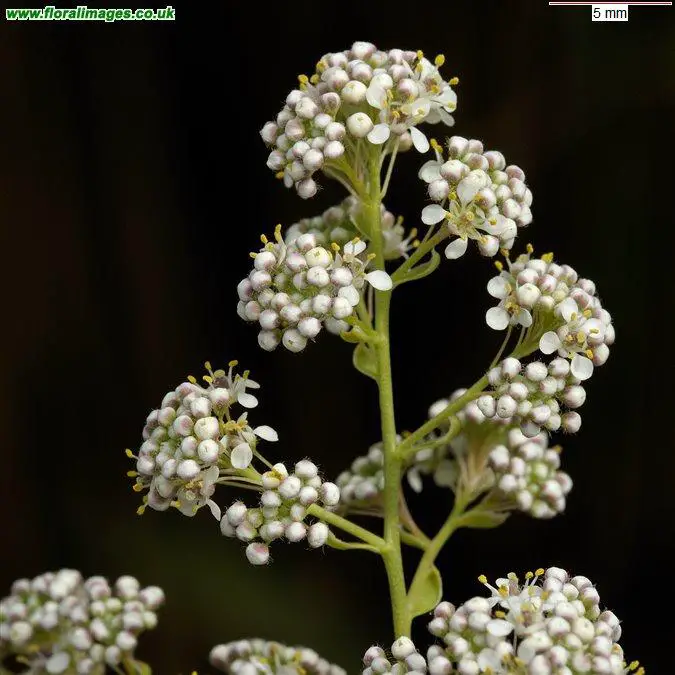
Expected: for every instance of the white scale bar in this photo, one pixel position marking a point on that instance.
(573, 3)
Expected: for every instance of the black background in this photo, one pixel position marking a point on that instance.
(132, 186)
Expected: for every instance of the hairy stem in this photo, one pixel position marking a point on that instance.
(391, 554)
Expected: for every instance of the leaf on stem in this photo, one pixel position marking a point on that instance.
(482, 519)
(365, 361)
(422, 270)
(426, 594)
(137, 668)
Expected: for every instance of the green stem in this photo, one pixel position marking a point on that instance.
(391, 554)
(436, 544)
(345, 525)
(340, 545)
(452, 409)
(418, 254)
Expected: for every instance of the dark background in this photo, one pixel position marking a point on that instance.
(132, 186)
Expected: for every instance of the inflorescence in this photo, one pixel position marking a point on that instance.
(255, 657)
(282, 511)
(478, 197)
(196, 438)
(60, 622)
(356, 99)
(550, 623)
(296, 289)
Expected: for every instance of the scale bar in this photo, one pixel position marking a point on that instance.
(612, 2)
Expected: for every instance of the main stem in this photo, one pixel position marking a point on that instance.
(391, 554)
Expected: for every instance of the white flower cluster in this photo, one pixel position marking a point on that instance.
(550, 624)
(364, 480)
(526, 470)
(261, 657)
(534, 395)
(282, 511)
(338, 225)
(583, 330)
(478, 197)
(60, 623)
(193, 438)
(355, 96)
(295, 289)
(406, 659)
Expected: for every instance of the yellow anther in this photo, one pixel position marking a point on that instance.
(529, 575)
(413, 232)
(587, 313)
(547, 257)
(277, 232)
(264, 238)
(128, 453)
(207, 365)
(633, 665)
(453, 81)
(500, 615)
(132, 474)
(192, 379)
(439, 60)
(137, 487)
(253, 255)
(469, 216)
(504, 591)
(321, 65)
(482, 579)
(140, 510)
(303, 79)
(504, 252)
(539, 571)
(176, 504)
(589, 353)
(420, 54)
(499, 265)
(279, 175)
(435, 145)
(335, 247)
(314, 79)
(581, 337)
(370, 256)
(529, 248)
(233, 364)
(207, 378)
(415, 243)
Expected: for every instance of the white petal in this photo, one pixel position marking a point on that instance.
(430, 171)
(497, 318)
(524, 318)
(582, 367)
(446, 117)
(567, 308)
(355, 247)
(241, 456)
(376, 95)
(266, 433)
(456, 249)
(350, 294)
(210, 476)
(448, 98)
(379, 134)
(252, 384)
(499, 627)
(488, 660)
(414, 480)
(215, 509)
(419, 140)
(498, 288)
(549, 342)
(247, 400)
(432, 214)
(380, 280)
(57, 663)
(467, 189)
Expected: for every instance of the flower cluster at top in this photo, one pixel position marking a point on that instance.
(260, 657)
(357, 99)
(283, 507)
(296, 289)
(487, 456)
(341, 224)
(551, 623)
(59, 622)
(478, 197)
(560, 313)
(194, 439)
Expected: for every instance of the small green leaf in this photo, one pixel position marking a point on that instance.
(482, 519)
(423, 597)
(422, 270)
(137, 667)
(364, 360)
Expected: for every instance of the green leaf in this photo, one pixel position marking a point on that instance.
(422, 270)
(482, 519)
(137, 667)
(354, 335)
(364, 360)
(424, 596)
